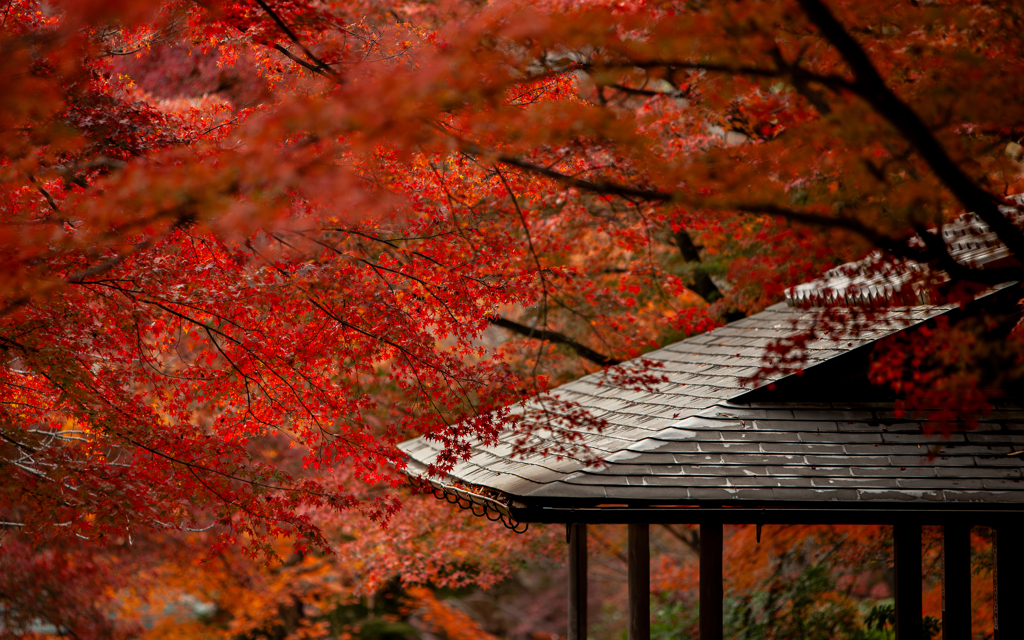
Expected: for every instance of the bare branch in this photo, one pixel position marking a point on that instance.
(547, 335)
(319, 65)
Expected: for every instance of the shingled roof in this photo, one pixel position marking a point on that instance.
(827, 440)
(873, 280)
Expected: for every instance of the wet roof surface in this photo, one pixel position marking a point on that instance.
(686, 443)
(809, 452)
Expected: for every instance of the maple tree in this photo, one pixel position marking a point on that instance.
(248, 246)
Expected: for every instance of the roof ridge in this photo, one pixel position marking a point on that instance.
(877, 280)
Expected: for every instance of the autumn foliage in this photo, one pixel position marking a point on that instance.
(248, 246)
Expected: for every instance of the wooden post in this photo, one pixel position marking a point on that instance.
(577, 581)
(639, 572)
(956, 582)
(1008, 587)
(907, 561)
(711, 591)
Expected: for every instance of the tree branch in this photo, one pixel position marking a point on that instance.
(319, 67)
(702, 284)
(783, 71)
(870, 86)
(603, 188)
(899, 247)
(299, 61)
(895, 246)
(692, 540)
(548, 335)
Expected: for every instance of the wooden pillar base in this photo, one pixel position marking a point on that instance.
(956, 582)
(711, 590)
(639, 572)
(577, 534)
(1008, 587)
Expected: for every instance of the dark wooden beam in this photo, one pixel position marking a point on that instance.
(907, 561)
(956, 581)
(711, 590)
(819, 514)
(1008, 589)
(577, 581)
(639, 572)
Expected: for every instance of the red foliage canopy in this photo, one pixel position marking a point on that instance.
(331, 247)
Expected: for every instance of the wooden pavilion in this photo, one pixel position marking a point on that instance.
(825, 447)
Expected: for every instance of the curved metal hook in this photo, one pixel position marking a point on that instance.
(513, 524)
